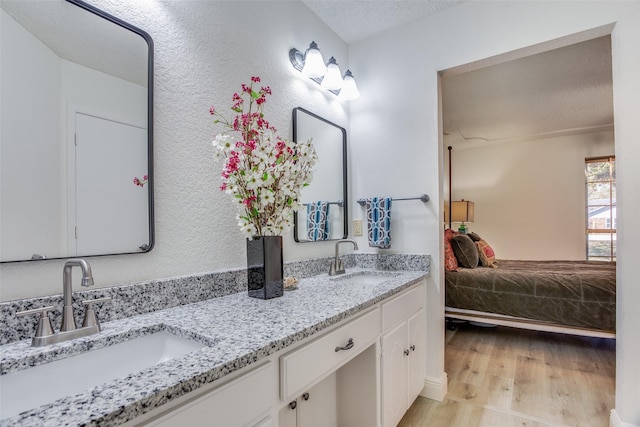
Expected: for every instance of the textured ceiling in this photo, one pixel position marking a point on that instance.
(355, 20)
(561, 91)
(560, 87)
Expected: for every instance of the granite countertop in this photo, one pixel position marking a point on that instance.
(237, 331)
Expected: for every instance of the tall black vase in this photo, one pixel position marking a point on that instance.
(264, 267)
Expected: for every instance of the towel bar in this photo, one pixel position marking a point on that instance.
(424, 198)
(339, 203)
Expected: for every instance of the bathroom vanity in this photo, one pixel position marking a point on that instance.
(344, 350)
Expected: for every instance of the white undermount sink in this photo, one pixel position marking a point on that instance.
(39, 385)
(367, 277)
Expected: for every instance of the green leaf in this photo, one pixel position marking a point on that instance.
(254, 95)
(265, 176)
(237, 109)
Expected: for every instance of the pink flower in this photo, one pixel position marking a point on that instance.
(140, 182)
(260, 171)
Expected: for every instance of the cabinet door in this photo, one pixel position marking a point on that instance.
(288, 417)
(394, 375)
(417, 357)
(317, 407)
(266, 422)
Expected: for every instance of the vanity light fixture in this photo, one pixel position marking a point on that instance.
(333, 79)
(349, 89)
(313, 62)
(328, 76)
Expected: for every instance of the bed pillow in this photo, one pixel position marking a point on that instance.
(487, 255)
(450, 261)
(465, 250)
(474, 237)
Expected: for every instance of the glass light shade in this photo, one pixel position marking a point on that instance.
(349, 89)
(313, 62)
(462, 211)
(333, 79)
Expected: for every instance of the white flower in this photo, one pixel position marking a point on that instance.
(267, 197)
(262, 173)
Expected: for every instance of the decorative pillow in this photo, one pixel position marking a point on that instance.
(487, 255)
(474, 237)
(450, 261)
(465, 250)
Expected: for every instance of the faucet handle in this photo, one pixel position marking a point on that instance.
(44, 322)
(90, 318)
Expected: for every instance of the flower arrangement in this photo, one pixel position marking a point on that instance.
(262, 172)
(141, 182)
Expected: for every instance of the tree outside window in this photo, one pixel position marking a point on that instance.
(601, 208)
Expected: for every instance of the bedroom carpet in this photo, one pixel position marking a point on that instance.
(511, 377)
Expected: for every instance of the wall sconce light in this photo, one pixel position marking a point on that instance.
(326, 75)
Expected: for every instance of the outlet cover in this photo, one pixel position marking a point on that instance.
(357, 227)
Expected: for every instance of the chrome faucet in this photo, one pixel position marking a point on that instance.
(68, 320)
(337, 266)
(68, 330)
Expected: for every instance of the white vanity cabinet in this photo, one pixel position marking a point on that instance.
(364, 371)
(316, 407)
(403, 349)
(245, 401)
(318, 380)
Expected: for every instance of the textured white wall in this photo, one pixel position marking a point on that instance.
(529, 196)
(204, 50)
(395, 136)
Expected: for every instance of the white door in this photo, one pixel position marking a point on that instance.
(394, 375)
(417, 357)
(317, 407)
(111, 211)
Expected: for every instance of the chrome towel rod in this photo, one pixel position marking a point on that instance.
(424, 198)
(339, 203)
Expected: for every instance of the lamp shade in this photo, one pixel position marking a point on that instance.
(333, 79)
(462, 211)
(349, 90)
(313, 62)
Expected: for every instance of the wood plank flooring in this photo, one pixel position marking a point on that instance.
(512, 377)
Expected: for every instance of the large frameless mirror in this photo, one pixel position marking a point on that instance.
(76, 132)
(323, 215)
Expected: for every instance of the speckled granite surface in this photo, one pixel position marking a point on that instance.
(146, 297)
(236, 330)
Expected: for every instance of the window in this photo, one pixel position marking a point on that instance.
(601, 208)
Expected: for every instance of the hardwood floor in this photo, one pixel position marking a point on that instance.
(512, 377)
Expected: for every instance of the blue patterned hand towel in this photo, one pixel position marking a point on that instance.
(317, 221)
(379, 222)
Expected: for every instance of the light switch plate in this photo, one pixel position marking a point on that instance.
(357, 227)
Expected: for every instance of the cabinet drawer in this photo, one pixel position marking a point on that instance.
(311, 362)
(402, 307)
(232, 405)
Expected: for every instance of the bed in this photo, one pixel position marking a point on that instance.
(577, 297)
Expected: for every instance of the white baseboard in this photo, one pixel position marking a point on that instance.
(615, 421)
(435, 388)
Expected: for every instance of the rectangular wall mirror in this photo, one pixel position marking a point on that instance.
(76, 130)
(327, 193)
